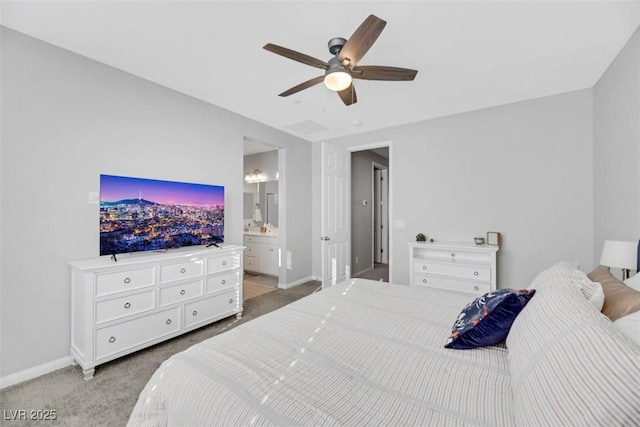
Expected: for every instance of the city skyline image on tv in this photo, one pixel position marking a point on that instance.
(141, 214)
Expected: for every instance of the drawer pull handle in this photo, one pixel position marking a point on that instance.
(424, 267)
(475, 273)
(112, 339)
(182, 292)
(223, 281)
(230, 300)
(182, 270)
(127, 280)
(168, 321)
(195, 313)
(127, 305)
(475, 288)
(224, 262)
(453, 254)
(424, 280)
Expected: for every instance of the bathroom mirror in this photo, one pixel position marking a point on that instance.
(266, 196)
(248, 205)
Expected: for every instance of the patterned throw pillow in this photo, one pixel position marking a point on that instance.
(487, 320)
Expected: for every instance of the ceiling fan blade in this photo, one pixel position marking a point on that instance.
(302, 86)
(348, 95)
(361, 40)
(379, 72)
(296, 56)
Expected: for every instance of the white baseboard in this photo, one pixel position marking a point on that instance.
(362, 271)
(34, 372)
(296, 283)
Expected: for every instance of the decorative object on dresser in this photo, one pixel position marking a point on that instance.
(494, 238)
(620, 254)
(421, 238)
(119, 308)
(457, 266)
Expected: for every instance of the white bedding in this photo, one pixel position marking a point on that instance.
(359, 353)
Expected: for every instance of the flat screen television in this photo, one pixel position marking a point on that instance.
(139, 214)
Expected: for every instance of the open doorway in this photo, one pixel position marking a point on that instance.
(370, 213)
(261, 219)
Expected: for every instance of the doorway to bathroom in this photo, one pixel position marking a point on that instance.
(261, 224)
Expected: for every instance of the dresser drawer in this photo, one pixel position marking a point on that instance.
(452, 269)
(456, 254)
(125, 335)
(471, 286)
(181, 270)
(117, 308)
(214, 307)
(181, 292)
(223, 263)
(215, 283)
(110, 283)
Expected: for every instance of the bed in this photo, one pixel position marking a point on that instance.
(371, 353)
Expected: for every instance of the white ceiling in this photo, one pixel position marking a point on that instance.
(470, 54)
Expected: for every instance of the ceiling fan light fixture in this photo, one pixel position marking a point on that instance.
(337, 79)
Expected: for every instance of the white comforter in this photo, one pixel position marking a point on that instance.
(359, 353)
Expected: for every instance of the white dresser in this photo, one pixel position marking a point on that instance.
(457, 266)
(142, 299)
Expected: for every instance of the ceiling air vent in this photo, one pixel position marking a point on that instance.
(306, 127)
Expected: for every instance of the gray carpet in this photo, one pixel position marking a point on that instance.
(109, 398)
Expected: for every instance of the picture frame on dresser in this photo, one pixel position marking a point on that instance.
(494, 238)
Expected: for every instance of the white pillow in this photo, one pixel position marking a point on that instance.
(561, 274)
(630, 326)
(569, 364)
(633, 282)
(566, 274)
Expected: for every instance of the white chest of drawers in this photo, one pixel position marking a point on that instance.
(462, 267)
(121, 307)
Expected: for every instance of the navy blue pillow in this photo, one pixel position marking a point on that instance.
(487, 320)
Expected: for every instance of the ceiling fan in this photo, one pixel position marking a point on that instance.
(343, 68)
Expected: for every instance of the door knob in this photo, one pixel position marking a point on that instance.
(324, 238)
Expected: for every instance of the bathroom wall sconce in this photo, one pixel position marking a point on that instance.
(255, 176)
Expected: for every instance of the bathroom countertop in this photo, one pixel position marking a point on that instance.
(258, 233)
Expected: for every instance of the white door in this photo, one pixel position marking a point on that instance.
(336, 214)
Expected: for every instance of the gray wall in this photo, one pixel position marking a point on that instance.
(617, 149)
(65, 120)
(523, 169)
(361, 217)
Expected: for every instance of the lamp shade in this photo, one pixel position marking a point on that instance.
(337, 80)
(619, 254)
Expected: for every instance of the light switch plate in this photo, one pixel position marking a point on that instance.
(94, 198)
(399, 223)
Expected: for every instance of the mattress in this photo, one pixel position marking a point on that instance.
(358, 353)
